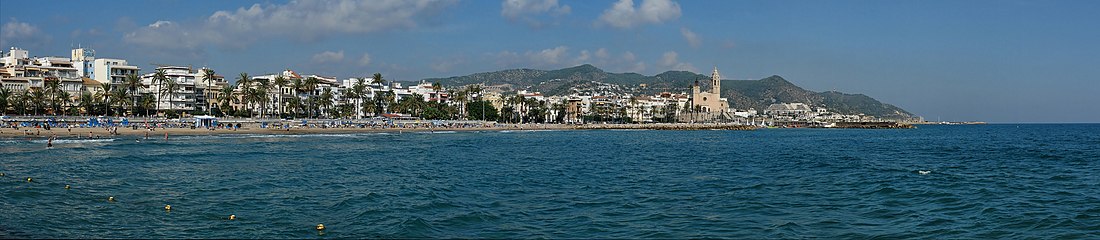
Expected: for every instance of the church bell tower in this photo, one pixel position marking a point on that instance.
(716, 81)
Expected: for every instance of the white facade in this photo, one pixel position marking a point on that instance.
(113, 71)
(188, 94)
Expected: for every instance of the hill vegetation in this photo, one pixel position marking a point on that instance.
(742, 94)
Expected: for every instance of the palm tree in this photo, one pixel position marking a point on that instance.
(436, 87)
(378, 79)
(208, 77)
(358, 91)
(23, 99)
(262, 96)
(66, 99)
(120, 94)
(225, 96)
(51, 88)
(294, 104)
(169, 89)
(369, 106)
(255, 95)
(159, 77)
(105, 94)
(5, 95)
(244, 82)
(326, 101)
(87, 101)
(310, 85)
(148, 101)
(390, 101)
(298, 86)
(280, 82)
(133, 82)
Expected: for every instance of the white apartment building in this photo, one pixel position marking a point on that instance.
(113, 71)
(189, 93)
(19, 72)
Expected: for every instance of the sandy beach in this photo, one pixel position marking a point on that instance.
(40, 133)
(160, 132)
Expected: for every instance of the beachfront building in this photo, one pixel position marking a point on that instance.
(112, 71)
(20, 72)
(211, 85)
(182, 90)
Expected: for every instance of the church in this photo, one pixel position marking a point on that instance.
(710, 101)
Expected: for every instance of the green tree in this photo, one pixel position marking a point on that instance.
(120, 96)
(159, 78)
(147, 102)
(325, 101)
(87, 102)
(105, 97)
(263, 87)
(133, 83)
(280, 83)
(244, 83)
(310, 85)
(169, 88)
(482, 110)
(5, 99)
(225, 98)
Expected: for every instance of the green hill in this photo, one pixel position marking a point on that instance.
(742, 94)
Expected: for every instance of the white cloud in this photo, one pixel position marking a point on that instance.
(692, 38)
(365, 60)
(296, 20)
(602, 53)
(528, 11)
(20, 33)
(583, 58)
(328, 57)
(548, 57)
(624, 15)
(671, 60)
(629, 56)
(167, 37)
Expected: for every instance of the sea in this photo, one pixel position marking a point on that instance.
(993, 181)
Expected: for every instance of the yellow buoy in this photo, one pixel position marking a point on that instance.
(67, 187)
(28, 179)
(1, 174)
(110, 199)
(320, 227)
(167, 207)
(232, 217)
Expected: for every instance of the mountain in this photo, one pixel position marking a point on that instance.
(742, 94)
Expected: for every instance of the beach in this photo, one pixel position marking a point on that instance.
(104, 132)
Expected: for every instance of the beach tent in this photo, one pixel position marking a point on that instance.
(205, 121)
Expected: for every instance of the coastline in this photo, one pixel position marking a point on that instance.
(40, 133)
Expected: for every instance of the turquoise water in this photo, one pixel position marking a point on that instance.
(983, 181)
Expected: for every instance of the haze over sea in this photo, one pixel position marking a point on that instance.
(983, 181)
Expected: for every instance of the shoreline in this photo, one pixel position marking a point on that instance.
(91, 133)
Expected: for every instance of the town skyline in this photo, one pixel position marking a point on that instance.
(933, 58)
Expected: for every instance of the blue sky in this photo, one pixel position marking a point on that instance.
(997, 61)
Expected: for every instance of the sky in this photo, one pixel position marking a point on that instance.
(975, 60)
